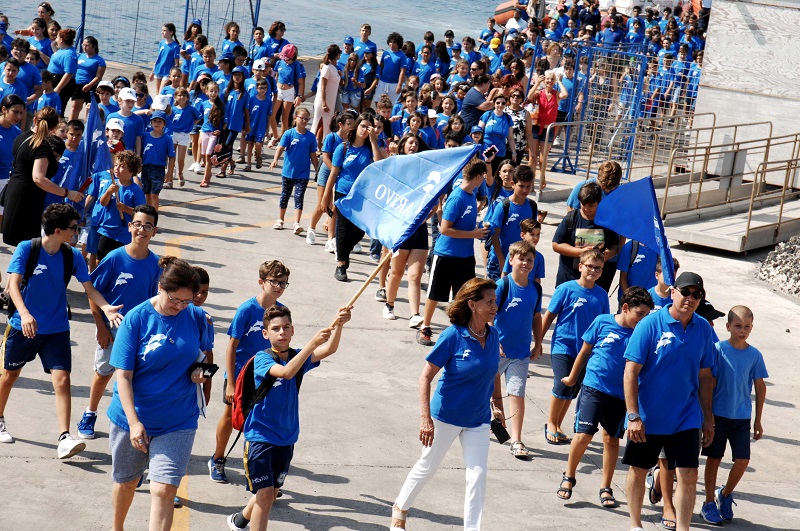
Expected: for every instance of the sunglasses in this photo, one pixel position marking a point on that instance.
(141, 95)
(695, 294)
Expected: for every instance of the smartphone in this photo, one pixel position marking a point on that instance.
(491, 151)
(209, 369)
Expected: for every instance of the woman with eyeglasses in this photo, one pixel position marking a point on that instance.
(498, 130)
(521, 119)
(153, 413)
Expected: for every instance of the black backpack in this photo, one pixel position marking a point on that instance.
(30, 267)
(487, 243)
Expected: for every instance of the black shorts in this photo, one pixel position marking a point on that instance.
(682, 450)
(266, 465)
(540, 133)
(80, 95)
(418, 240)
(737, 431)
(596, 408)
(562, 366)
(449, 273)
(563, 116)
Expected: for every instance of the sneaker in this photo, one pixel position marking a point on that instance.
(311, 237)
(86, 425)
(330, 246)
(199, 170)
(357, 248)
(424, 337)
(375, 257)
(176, 502)
(710, 513)
(216, 470)
(388, 313)
(192, 167)
(67, 447)
(415, 321)
(232, 526)
(724, 503)
(297, 229)
(5, 437)
(340, 274)
(380, 295)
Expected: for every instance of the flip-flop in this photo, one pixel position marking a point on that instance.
(664, 524)
(548, 434)
(562, 438)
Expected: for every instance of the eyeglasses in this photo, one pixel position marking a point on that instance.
(516, 96)
(147, 227)
(500, 102)
(138, 95)
(473, 69)
(592, 268)
(73, 228)
(278, 283)
(695, 294)
(175, 300)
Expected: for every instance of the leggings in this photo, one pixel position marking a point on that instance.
(347, 236)
(299, 186)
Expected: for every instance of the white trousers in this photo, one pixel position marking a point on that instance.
(474, 446)
(390, 89)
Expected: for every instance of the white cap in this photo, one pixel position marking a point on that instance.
(116, 123)
(432, 113)
(127, 94)
(106, 84)
(259, 64)
(161, 102)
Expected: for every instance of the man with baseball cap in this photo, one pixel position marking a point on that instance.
(668, 386)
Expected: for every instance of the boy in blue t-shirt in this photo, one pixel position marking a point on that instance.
(158, 159)
(602, 398)
(117, 198)
(518, 320)
(40, 323)
(576, 303)
(133, 124)
(49, 98)
(246, 339)
(530, 231)
(505, 229)
(661, 293)
(273, 426)
(127, 276)
(739, 367)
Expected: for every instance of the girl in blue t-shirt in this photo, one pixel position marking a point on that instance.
(370, 70)
(188, 48)
(291, 77)
(39, 40)
(91, 68)
(184, 116)
(340, 127)
(232, 38)
(237, 115)
(300, 146)
(259, 108)
(349, 160)
(168, 55)
(64, 65)
(213, 110)
(12, 109)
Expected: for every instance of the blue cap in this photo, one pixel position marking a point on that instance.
(158, 115)
(197, 22)
(512, 30)
(476, 129)
(423, 110)
(371, 48)
(456, 46)
(226, 57)
(349, 40)
(3, 26)
(242, 70)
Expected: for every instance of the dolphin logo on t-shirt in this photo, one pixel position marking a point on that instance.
(579, 303)
(39, 269)
(467, 211)
(153, 343)
(609, 338)
(256, 327)
(639, 258)
(665, 339)
(466, 353)
(123, 279)
(514, 302)
(512, 218)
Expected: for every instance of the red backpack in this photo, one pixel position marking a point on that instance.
(247, 395)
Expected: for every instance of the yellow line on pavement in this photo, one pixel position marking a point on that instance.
(180, 520)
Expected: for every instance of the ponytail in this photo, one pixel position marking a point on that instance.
(45, 120)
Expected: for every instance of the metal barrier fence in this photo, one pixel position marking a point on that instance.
(764, 231)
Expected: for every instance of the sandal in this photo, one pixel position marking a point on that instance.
(653, 485)
(278, 225)
(259, 162)
(562, 438)
(181, 180)
(168, 186)
(548, 434)
(519, 450)
(567, 491)
(398, 519)
(231, 168)
(204, 184)
(220, 175)
(667, 524)
(608, 502)
(247, 168)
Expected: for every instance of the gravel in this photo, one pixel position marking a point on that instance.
(780, 267)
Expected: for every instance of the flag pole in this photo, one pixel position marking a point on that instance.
(384, 260)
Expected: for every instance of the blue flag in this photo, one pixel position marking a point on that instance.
(392, 197)
(632, 211)
(96, 156)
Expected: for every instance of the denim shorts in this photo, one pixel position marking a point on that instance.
(516, 372)
(102, 357)
(167, 456)
(153, 178)
(351, 97)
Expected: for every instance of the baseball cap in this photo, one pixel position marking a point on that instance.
(242, 70)
(197, 22)
(371, 48)
(456, 46)
(687, 279)
(707, 311)
(161, 102)
(258, 64)
(494, 43)
(349, 40)
(476, 129)
(127, 93)
(106, 84)
(432, 113)
(158, 115)
(226, 57)
(115, 123)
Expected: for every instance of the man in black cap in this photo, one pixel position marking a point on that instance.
(668, 386)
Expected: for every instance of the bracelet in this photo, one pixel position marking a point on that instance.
(66, 193)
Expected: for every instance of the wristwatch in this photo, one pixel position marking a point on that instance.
(633, 417)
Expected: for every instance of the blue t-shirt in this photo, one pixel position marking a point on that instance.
(361, 47)
(275, 45)
(208, 127)
(331, 142)
(424, 71)
(465, 388)
(45, 294)
(275, 419)
(642, 272)
(7, 137)
(44, 46)
(461, 209)
(157, 151)
(247, 327)
(28, 75)
(133, 128)
(17, 87)
(258, 51)
(351, 161)
(658, 300)
(87, 68)
(576, 308)
(736, 370)
(188, 47)
(183, 119)
(536, 272)
(64, 61)
(108, 110)
(222, 79)
(68, 175)
(391, 65)
(297, 157)
(290, 74)
(510, 231)
(259, 116)
(168, 55)
(514, 320)
(160, 350)
(606, 365)
(572, 200)
(229, 45)
(235, 107)
(125, 280)
(110, 224)
(671, 359)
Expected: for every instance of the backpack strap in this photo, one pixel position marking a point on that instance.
(534, 208)
(634, 252)
(572, 218)
(505, 288)
(32, 261)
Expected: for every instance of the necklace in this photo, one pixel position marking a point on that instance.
(167, 328)
(476, 334)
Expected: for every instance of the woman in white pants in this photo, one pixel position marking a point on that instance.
(469, 353)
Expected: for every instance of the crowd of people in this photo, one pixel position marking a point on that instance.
(492, 91)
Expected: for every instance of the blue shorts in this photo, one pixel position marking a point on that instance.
(92, 239)
(153, 178)
(257, 138)
(562, 366)
(266, 465)
(323, 174)
(737, 431)
(596, 408)
(54, 351)
(351, 97)
(196, 129)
